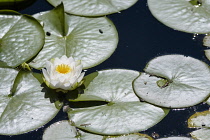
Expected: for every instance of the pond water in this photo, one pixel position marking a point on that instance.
(141, 38)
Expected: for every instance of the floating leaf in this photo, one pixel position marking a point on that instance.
(201, 134)
(63, 130)
(21, 38)
(93, 7)
(91, 40)
(176, 138)
(174, 81)
(123, 114)
(199, 120)
(23, 107)
(185, 15)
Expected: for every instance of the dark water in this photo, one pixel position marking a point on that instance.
(142, 38)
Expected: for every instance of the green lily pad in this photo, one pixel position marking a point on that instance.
(201, 134)
(184, 15)
(123, 113)
(91, 40)
(21, 38)
(23, 107)
(93, 7)
(176, 138)
(63, 130)
(174, 81)
(199, 120)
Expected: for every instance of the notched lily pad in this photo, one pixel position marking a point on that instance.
(21, 38)
(199, 120)
(91, 40)
(174, 81)
(93, 7)
(63, 130)
(184, 15)
(123, 114)
(23, 107)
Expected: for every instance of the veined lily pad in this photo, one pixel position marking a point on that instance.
(63, 130)
(123, 114)
(185, 15)
(21, 38)
(176, 138)
(199, 120)
(91, 40)
(93, 7)
(23, 107)
(174, 81)
(201, 134)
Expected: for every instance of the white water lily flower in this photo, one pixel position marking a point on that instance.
(64, 73)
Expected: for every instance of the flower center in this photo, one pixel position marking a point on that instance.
(63, 69)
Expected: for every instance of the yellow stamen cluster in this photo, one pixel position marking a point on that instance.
(63, 68)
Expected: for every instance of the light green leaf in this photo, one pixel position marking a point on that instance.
(21, 38)
(91, 40)
(186, 81)
(23, 107)
(199, 120)
(201, 134)
(93, 7)
(123, 114)
(63, 130)
(182, 15)
(176, 138)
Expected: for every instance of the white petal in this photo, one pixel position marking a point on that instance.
(80, 77)
(46, 75)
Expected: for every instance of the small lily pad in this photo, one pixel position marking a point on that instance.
(174, 81)
(176, 138)
(199, 120)
(23, 107)
(21, 38)
(93, 7)
(64, 130)
(91, 40)
(201, 134)
(184, 15)
(123, 113)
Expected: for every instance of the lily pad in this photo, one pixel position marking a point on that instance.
(93, 7)
(208, 101)
(63, 130)
(184, 15)
(199, 120)
(23, 107)
(176, 138)
(91, 40)
(21, 38)
(201, 134)
(123, 113)
(174, 81)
